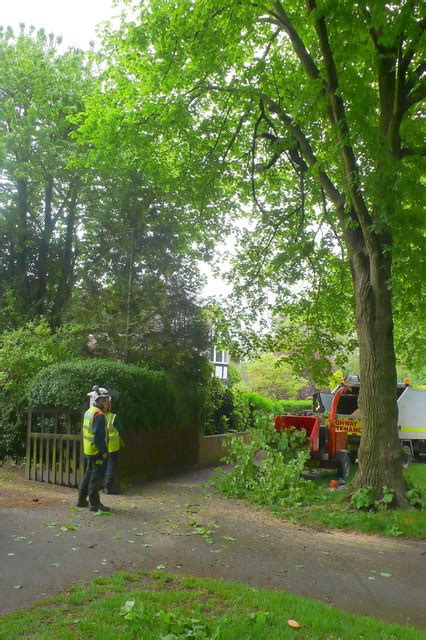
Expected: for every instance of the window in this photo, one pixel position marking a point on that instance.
(221, 371)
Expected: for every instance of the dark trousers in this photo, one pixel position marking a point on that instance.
(110, 480)
(92, 479)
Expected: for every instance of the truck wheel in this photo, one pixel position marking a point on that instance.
(343, 464)
(407, 456)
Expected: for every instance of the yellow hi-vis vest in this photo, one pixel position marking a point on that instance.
(89, 447)
(112, 435)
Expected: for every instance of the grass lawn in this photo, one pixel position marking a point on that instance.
(330, 510)
(170, 608)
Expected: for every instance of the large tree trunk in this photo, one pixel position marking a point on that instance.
(129, 292)
(43, 259)
(22, 240)
(66, 276)
(380, 458)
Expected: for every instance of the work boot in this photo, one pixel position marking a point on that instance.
(99, 507)
(82, 503)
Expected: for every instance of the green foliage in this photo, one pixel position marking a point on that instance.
(172, 625)
(260, 404)
(271, 376)
(40, 191)
(364, 500)
(229, 409)
(23, 353)
(248, 118)
(130, 276)
(234, 375)
(276, 480)
(146, 399)
(415, 497)
(225, 409)
(329, 510)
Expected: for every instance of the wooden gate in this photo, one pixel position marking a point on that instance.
(54, 446)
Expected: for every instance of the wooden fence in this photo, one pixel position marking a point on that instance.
(54, 446)
(152, 453)
(55, 449)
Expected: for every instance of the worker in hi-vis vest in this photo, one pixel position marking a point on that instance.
(113, 438)
(95, 450)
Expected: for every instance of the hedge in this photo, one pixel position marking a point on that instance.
(146, 399)
(277, 407)
(230, 409)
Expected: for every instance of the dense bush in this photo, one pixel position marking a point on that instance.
(146, 399)
(228, 409)
(23, 352)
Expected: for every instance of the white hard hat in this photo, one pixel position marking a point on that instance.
(98, 392)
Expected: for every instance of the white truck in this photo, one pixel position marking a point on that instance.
(342, 406)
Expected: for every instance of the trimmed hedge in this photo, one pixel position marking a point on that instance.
(147, 399)
(277, 407)
(232, 410)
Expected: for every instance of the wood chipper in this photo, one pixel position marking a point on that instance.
(344, 415)
(328, 445)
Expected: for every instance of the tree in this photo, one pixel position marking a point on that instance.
(87, 234)
(40, 194)
(271, 376)
(310, 111)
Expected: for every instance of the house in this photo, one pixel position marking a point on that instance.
(220, 360)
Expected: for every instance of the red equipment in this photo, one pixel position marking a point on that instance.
(328, 445)
(311, 424)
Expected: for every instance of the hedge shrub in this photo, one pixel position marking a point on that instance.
(232, 410)
(147, 399)
(277, 407)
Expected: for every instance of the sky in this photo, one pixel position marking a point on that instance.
(76, 21)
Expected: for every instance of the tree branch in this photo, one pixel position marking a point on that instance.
(415, 96)
(350, 165)
(412, 151)
(307, 152)
(298, 45)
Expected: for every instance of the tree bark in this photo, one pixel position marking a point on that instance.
(22, 240)
(129, 292)
(66, 279)
(43, 258)
(380, 458)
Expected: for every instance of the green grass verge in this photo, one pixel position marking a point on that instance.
(169, 607)
(331, 510)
